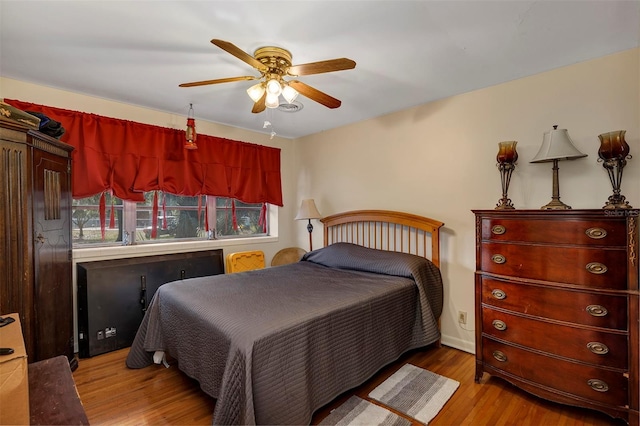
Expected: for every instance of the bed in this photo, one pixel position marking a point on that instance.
(274, 345)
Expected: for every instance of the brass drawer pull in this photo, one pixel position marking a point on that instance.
(597, 310)
(597, 268)
(598, 348)
(498, 229)
(598, 385)
(499, 294)
(498, 258)
(501, 325)
(596, 233)
(500, 356)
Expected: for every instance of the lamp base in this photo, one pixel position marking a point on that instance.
(506, 169)
(504, 204)
(555, 204)
(614, 167)
(616, 201)
(310, 229)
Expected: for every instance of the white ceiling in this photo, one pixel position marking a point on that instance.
(407, 52)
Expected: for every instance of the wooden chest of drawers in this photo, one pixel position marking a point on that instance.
(557, 305)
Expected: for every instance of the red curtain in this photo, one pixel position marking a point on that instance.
(130, 158)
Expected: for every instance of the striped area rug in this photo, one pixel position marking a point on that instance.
(357, 411)
(416, 392)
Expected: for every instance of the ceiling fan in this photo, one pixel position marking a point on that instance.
(274, 64)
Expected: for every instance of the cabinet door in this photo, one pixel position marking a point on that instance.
(109, 304)
(53, 297)
(15, 225)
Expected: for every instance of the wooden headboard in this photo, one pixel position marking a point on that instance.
(386, 230)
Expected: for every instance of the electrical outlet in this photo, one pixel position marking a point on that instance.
(462, 317)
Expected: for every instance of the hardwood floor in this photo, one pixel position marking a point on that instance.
(112, 394)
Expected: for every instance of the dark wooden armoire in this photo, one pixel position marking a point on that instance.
(35, 239)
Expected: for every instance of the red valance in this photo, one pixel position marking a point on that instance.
(130, 158)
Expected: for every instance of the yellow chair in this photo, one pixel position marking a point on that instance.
(287, 255)
(245, 261)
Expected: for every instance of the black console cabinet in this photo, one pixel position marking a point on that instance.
(114, 294)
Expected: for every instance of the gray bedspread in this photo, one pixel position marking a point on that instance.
(273, 345)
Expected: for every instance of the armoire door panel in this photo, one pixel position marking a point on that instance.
(52, 244)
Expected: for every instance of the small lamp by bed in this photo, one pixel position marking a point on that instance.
(308, 211)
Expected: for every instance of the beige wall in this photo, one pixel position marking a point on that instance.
(438, 159)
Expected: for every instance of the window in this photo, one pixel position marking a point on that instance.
(177, 218)
(86, 220)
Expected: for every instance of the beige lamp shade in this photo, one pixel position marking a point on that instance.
(557, 145)
(308, 210)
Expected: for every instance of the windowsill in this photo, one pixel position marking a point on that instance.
(117, 252)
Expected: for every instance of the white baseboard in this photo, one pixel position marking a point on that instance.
(463, 345)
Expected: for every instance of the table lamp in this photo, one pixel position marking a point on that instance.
(308, 211)
(556, 145)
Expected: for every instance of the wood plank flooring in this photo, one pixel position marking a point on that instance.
(112, 394)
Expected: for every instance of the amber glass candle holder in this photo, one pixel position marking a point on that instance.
(614, 153)
(507, 157)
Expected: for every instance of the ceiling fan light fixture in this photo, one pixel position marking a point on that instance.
(274, 64)
(256, 91)
(274, 87)
(289, 93)
(271, 101)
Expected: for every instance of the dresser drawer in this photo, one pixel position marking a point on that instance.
(601, 348)
(579, 307)
(595, 232)
(590, 382)
(589, 267)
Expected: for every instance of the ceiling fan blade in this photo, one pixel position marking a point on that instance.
(315, 94)
(240, 54)
(321, 67)
(260, 106)
(218, 81)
